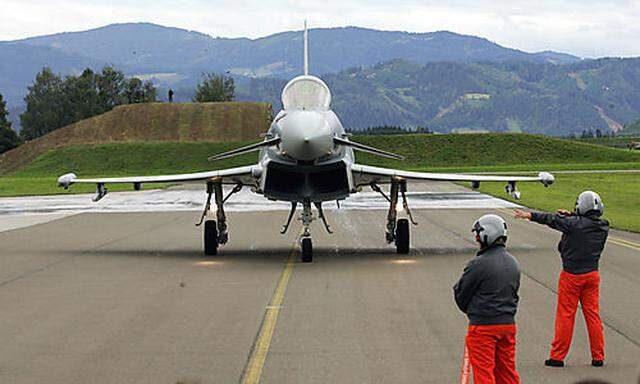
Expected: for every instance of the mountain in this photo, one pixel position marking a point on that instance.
(632, 128)
(442, 80)
(19, 64)
(511, 96)
(173, 55)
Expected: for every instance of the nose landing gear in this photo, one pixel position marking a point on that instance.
(306, 218)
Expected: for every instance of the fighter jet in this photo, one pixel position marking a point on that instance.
(307, 159)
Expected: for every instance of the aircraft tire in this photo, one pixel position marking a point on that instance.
(402, 237)
(306, 250)
(210, 238)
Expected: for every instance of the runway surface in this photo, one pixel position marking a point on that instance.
(129, 298)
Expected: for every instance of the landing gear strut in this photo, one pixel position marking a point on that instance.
(215, 233)
(306, 246)
(397, 231)
(306, 218)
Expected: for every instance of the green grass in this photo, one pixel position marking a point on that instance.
(25, 186)
(616, 142)
(127, 159)
(471, 150)
(116, 159)
(618, 191)
(439, 153)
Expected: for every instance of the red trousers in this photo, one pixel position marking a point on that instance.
(571, 290)
(492, 353)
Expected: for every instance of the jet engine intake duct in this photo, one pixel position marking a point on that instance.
(313, 182)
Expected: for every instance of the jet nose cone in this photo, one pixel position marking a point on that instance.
(306, 135)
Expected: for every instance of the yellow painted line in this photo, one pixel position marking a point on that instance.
(625, 243)
(261, 348)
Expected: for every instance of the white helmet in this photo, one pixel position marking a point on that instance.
(589, 201)
(489, 228)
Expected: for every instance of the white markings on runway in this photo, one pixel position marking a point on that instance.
(9, 221)
(16, 212)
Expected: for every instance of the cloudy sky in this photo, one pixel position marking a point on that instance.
(586, 28)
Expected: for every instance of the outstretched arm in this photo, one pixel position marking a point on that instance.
(562, 220)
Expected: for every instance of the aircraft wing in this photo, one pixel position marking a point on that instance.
(229, 176)
(365, 174)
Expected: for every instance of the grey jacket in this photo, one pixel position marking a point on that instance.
(582, 242)
(488, 289)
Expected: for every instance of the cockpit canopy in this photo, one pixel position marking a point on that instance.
(306, 93)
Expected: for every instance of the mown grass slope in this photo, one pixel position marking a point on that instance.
(459, 153)
(494, 149)
(616, 141)
(468, 153)
(150, 122)
(473, 152)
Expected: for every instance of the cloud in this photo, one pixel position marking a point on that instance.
(586, 28)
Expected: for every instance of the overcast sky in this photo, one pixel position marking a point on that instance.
(585, 28)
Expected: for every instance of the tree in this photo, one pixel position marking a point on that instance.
(81, 96)
(45, 106)
(53, 102)
(8, 137)
(110, 84)
(215, 88)
(139, 92)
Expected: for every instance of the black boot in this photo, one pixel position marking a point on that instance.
(597, 363)
(554, 363)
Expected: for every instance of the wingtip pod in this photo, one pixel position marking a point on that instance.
(66, 180)
(546, 178)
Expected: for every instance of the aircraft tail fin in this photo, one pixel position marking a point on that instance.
(306, 49)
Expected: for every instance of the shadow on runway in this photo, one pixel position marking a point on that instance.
(281, 254)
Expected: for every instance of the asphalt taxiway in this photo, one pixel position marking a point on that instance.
(129, 297)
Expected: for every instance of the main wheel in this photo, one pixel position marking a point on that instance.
(402, 236)
(210, 237)
(306, 250)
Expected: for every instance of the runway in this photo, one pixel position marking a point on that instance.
(129, 298)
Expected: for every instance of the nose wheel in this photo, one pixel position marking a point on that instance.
(306, 250)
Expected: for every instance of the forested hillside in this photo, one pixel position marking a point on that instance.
(512, 96)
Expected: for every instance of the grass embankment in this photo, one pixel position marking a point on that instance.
(149, 122)
(490, 150)
(117, 159)
(446, 153)
(616, 142)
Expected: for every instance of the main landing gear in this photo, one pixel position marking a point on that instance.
(306, 217)
(397, 229)
(215, 233)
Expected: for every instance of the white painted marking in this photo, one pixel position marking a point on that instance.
(19, 220)
(171, 200)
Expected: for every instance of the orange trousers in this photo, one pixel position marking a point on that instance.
(571, 290)
(492, 354)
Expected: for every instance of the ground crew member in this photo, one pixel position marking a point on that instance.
(487, 293)
(584, 234)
